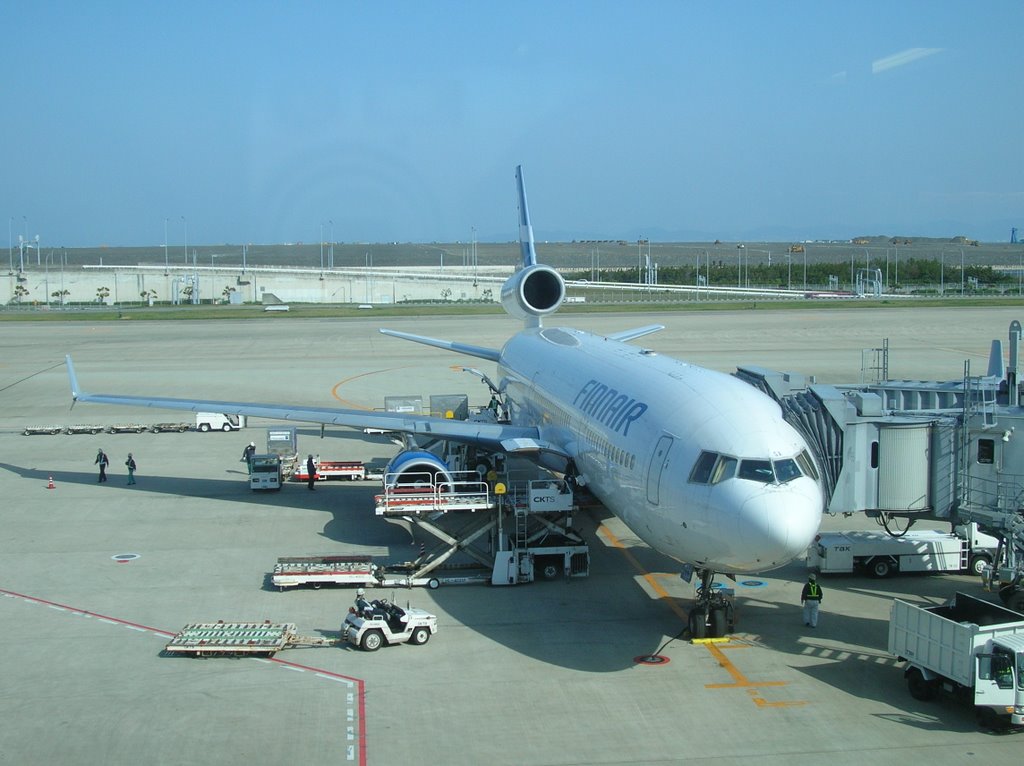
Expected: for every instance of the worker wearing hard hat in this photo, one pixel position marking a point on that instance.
(362, 605)
(810, 597)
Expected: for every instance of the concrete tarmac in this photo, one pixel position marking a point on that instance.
(545, 673)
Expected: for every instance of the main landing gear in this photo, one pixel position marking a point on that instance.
(712, 615)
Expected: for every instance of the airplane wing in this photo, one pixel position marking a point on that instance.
(639, 332)
(496, 437)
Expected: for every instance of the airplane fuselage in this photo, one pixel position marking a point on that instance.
(635, 423)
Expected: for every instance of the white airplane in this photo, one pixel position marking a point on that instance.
(699, 464)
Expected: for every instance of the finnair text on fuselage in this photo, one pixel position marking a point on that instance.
(609, 407)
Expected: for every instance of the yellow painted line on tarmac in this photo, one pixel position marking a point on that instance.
(345, 381)
(651, 579)
(740, 681)
(715, 646)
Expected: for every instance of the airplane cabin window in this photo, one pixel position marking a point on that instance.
(757, 470)
(786, 470)
(807, 465)
(701, 473)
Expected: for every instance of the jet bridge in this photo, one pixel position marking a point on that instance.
(903, 450)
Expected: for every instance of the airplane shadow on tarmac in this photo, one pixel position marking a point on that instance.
(596, 624)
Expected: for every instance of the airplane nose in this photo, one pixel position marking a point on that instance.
(781, 524)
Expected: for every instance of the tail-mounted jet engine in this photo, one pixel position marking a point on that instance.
(533, 292)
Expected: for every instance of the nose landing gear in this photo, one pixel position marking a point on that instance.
(712, 614)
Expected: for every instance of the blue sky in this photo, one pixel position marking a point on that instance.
(403, 121)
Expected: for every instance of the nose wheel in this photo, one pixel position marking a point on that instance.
(712, 614)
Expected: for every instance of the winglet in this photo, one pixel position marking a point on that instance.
(526, 248)
(75, 389)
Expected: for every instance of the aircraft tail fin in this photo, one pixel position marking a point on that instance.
(528, 253)
(535, 290)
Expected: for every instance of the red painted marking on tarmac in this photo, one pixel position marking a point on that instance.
(360, 684)
(86, 611)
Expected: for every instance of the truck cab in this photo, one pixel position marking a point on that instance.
(999, 688)
(217, 421)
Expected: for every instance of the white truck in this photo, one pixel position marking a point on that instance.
(387, 623)
(217, 421)
(969, 648)
(879, 554)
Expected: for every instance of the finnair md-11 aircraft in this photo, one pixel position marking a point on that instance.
(699, 464)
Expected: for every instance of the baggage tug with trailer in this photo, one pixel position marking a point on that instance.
(969, 648)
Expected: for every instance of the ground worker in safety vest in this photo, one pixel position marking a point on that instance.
(810, 597)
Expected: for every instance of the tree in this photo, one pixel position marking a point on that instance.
(226, 292)
(20, 291)
(60, 295)
(446, 294)
(101, 294)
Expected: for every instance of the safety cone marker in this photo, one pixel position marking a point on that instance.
(50, 485)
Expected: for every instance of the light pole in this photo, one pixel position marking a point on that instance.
(961, 272)
(321, 246)
(739, 265)
(166, 263)
(186, 239)
(10, 241)
(330, 248)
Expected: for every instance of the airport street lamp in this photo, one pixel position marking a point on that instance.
(962, 271)
(10, 241)
(185, 222)
(330, 248)
(166, 263)
(321, 246)
(739, 265)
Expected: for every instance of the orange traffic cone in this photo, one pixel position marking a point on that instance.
(50, 485)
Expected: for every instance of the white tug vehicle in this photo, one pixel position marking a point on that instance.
(370, 625)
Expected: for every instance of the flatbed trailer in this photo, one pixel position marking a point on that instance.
(127, 428)
(290, 571)
(35, 430)
(352, 470)
(170, 427)
(317, 571)
(206, 639)
(85, 429)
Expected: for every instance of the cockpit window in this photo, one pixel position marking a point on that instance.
(725, 468)
(757, 470)
(701, 473)
(713, 468)
(807, 465)
(786, 470)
